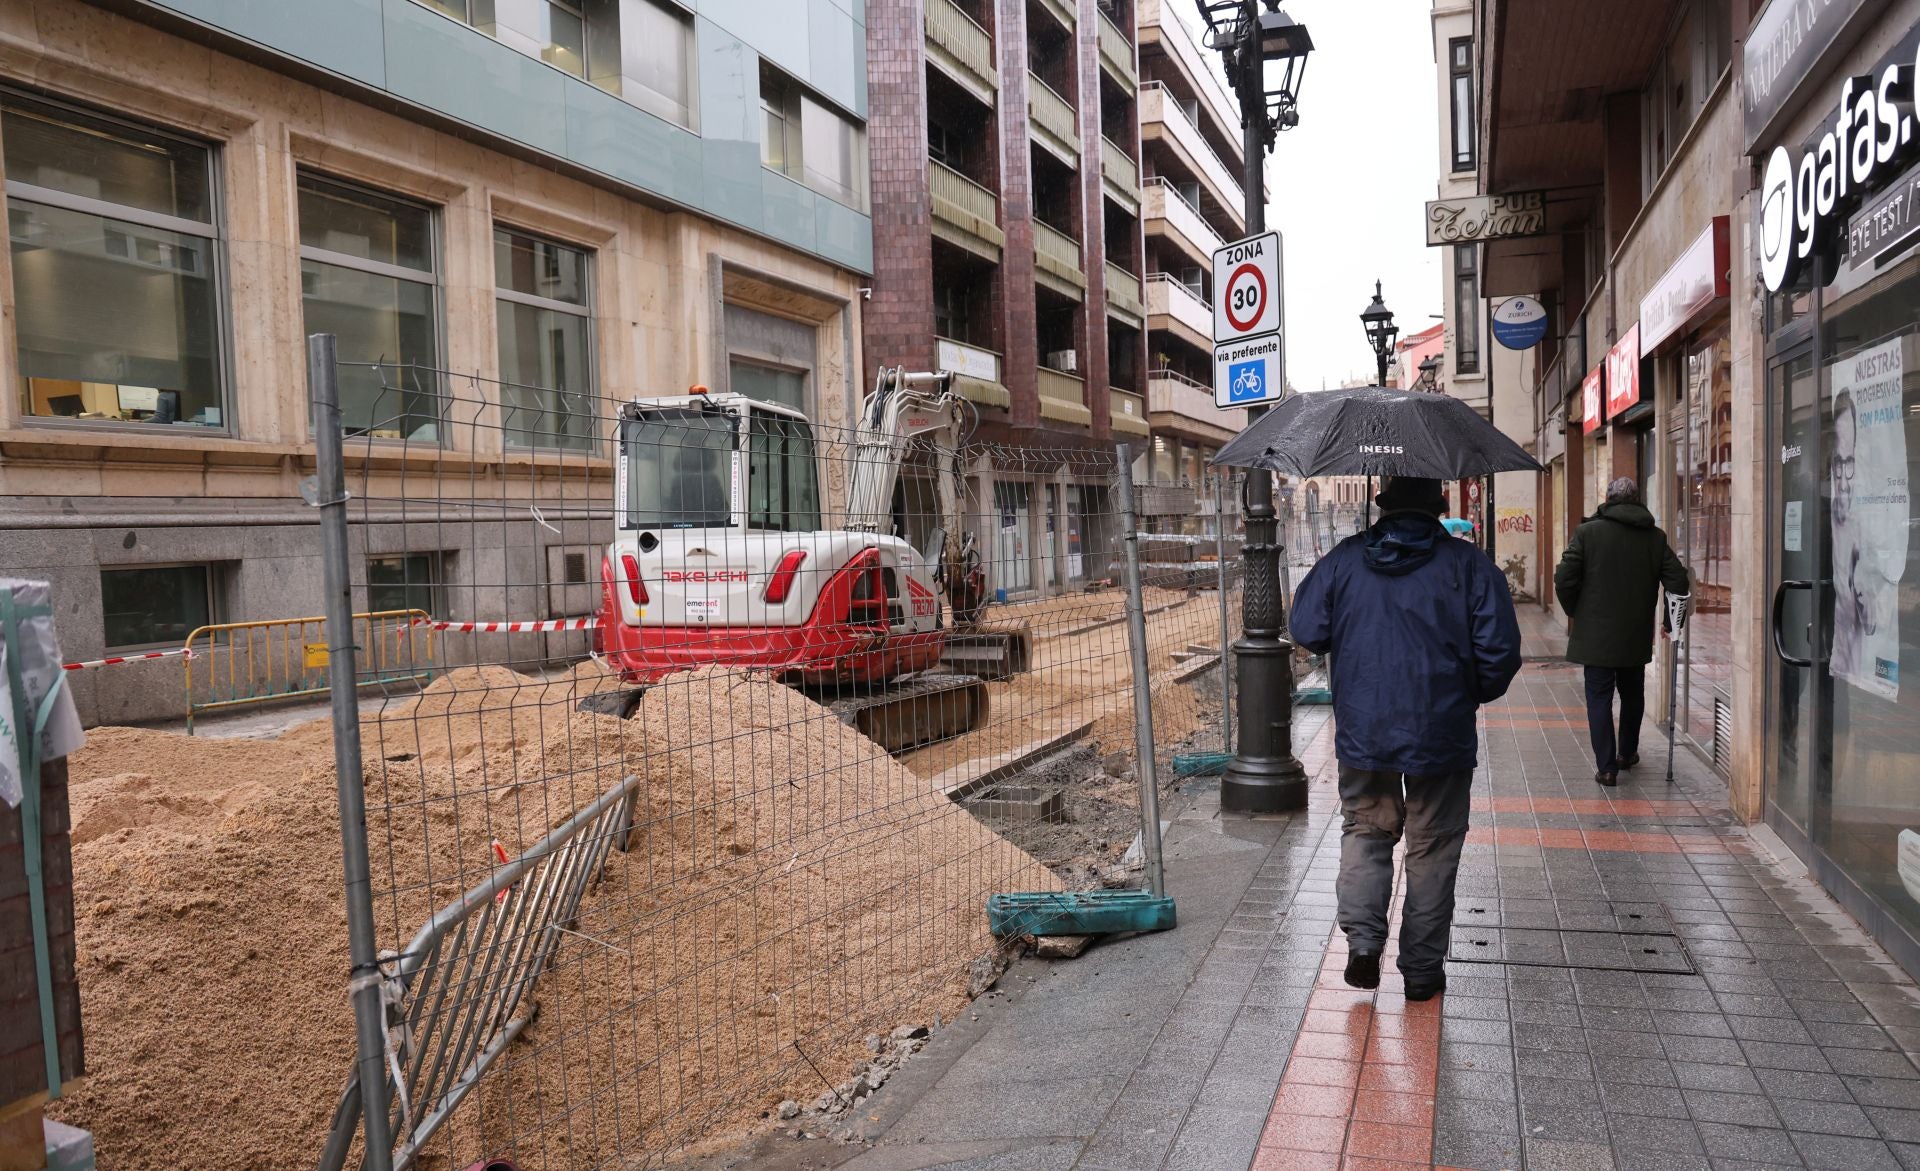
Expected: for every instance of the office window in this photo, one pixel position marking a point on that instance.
(1460, 97)
(116, 268)
(808, 141)
(643, 50)
(409, 581)
(953, 311)
(1466, 309)
(368, 266)
(545, 315)
(155, 605)
(564, 29)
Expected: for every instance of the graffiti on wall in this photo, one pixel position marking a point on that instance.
(1514, 520)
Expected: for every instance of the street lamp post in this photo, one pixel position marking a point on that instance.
(1429, 375)
(1378, 320)
(1263, 776)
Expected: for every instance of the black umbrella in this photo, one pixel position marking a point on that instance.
(1375, 431)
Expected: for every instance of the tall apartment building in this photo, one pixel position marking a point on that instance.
(622, 197)
(1193, 202)
(1007, 244)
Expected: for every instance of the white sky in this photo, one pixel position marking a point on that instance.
(1349, 183)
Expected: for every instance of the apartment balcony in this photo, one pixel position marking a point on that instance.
(976, 372)
(1177, 405)
(1162, 120)
(1053, 122)
(1056, 262)
(1123, 296)
(962, 49)
(1162, 31)
(965, 214)
(1116, 54)
(1127, 414)
(1063, 397)
(1179, 310)
(1167, 215)
(1063, 11)
(1120, 175)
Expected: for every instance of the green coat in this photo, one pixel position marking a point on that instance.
(1609, 581)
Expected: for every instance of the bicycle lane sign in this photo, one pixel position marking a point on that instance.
(1248, 353)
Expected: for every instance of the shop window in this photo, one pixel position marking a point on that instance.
(545, 315)
(155, 605)
(1466, 309)
(116, 269)
(368, 276)
(1460, 98)
(408, 581)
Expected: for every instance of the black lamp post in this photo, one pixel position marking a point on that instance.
(1266, 60)
(1378, 320)
(1429, 374)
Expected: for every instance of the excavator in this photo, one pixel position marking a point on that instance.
(719, 556)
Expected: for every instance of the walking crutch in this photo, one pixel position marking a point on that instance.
(1677, 610)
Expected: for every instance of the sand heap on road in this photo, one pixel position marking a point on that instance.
(786, 882)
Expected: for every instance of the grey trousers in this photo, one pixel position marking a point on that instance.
(1432, 816)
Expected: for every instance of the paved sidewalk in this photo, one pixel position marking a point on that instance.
(1639, 984)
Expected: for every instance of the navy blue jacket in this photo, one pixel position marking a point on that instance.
(1421, 631)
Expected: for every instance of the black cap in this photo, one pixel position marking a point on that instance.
(1412, 494)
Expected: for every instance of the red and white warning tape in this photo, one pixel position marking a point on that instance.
(550, 624)
(116, 660)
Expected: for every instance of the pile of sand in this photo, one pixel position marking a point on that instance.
(786, 883)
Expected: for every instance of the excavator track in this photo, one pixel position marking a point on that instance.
(916, 711)
(995, 652)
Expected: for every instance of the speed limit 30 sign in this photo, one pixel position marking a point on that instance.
(1246, 288)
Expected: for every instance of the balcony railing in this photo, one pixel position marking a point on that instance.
(962, 45)
(976, 370)
(1127, 414)
(1173, 299)
(1123, 293)
(1116, 53)
(1161, 200)
(1063, 397)
(1058, 255)
(1199, 63)
(1159, 105)
(968, 212)
(1062, 11)
(1053, 116)
(1120, 172)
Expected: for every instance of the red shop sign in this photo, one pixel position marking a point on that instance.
(1590, 405)
(1623, 372)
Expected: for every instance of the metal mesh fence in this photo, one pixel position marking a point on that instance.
(737, 722)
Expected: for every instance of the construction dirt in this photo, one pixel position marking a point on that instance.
(788, 890)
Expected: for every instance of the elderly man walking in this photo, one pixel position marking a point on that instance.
(1421, 632)
(1609, 581)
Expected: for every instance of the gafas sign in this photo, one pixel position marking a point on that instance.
(1804, 202)
(1486, 217)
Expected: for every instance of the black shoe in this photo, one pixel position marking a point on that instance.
(1607, 778)
(1363, 969)
(1426, 989)
(1630, 761)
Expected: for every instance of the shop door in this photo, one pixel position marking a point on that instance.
(1801, 582)
(1012, 571)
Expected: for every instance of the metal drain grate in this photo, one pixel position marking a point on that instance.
(1607, 951)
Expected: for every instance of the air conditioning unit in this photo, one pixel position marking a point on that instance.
(1065, 361)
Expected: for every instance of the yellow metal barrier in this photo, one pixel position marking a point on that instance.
(284, 658)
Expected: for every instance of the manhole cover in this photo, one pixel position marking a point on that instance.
(1611, 951)
(1565, 915)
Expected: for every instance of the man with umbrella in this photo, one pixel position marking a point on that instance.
(1420, 631)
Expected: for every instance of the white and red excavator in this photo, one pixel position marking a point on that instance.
(719, 557)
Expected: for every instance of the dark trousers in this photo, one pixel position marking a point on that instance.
(1376, 810)
(1602, 683)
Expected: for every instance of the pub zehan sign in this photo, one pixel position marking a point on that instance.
(1473, 218)
(1809, 194)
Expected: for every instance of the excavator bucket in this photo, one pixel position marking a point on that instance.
(917, 711)
(995, 652)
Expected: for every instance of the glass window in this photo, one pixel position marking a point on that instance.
(807, 140)
(565, 34)
(367, 276)
(155, 605)
(410, 581)
(643, 50)
(1466, 309)
(116, 269)
(678, 464)
(546, 342)
(769, 384)
(780, 130)
(782, 488)
(1460, 95)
